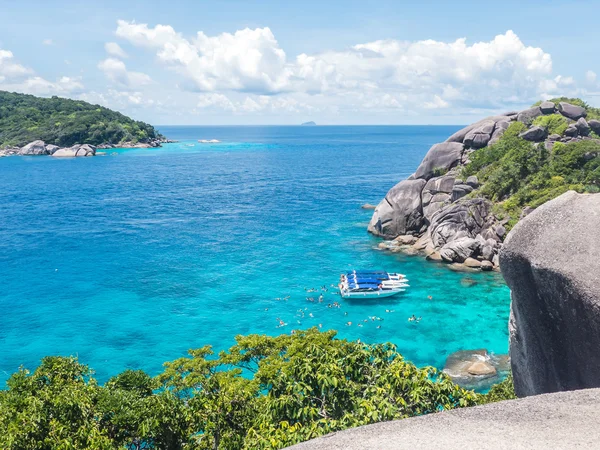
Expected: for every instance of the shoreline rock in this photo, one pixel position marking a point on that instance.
(435, 204)
(40, 148)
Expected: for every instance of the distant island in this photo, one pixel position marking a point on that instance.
(59, 122)
(308, 124)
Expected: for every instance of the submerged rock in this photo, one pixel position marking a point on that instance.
(551, 261)
(475, 369)
(368, 206)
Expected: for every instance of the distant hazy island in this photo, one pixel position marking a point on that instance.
(32, 125)
(309, 124)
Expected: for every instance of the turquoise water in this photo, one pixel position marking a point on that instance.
(128, 260)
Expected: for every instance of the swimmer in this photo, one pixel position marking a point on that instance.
(378, 327)
(321, 298)
(311, 315)
(348, 324)
(429, 297)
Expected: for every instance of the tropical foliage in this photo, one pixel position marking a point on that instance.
(263, 393)
(516, 173)
(64, 122)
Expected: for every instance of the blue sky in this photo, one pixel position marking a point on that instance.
(351, 62)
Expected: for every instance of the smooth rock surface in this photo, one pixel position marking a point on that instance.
(535, 134)
(595, 126)
(551, 262)
(528, 115)
(548, 107)
(34, 148)
(440, 157)
(565, 420)
(400, 212)
(573, 112)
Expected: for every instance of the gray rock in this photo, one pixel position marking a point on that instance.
(34, 148)
(565, 420)
(65, 153)
(487, 252)
(528, 115)
(466, 218)
(473, 181)
(400, 212)
(548, 108)
(551, 262)
(554, 137)
(440, 157)
(486, 265)
(460, 190)
(571, 111)
(534, 134)
(500, 231)
(595, 126)
(571, 130)
(460, 249)
(50, 149)
(501, 127)
(479, 136)
(368, 206)
(472, 263)
(582, 127)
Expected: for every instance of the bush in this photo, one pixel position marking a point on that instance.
(64, 122)
(264, 393)
(554, 123)
(505, 390)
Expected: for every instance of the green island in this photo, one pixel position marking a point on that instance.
(65, 122)
(263, 393)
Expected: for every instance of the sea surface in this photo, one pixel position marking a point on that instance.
(130, 259)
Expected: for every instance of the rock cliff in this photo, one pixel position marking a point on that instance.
(444, 207)
(551, 262)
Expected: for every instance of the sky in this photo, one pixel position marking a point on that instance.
(273, 62)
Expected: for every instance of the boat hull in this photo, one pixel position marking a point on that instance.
(373, 294)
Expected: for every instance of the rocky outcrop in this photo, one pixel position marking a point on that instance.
(39, 147)
(565, 420)
(75, 151)
(551, 262)
(435, 203)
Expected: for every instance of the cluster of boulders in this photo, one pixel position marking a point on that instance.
(41, 148)
(431, 213)
(476, 369)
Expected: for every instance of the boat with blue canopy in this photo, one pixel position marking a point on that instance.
(371, 284)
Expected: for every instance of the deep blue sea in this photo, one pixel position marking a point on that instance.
(130, 259)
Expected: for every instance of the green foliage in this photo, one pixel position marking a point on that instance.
(516, 173)
(64, 122)
(554, 123)
(505, 390)
(264, 393)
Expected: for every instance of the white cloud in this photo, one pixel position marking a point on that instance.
(380, 75)
(47, 42)
(9, 68)
(590, 76)
(248, 60)
(18, 78)
(114, 49)
(116, 71)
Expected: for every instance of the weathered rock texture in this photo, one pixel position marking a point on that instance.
(565, 420)
(431, 203)
(551, 262)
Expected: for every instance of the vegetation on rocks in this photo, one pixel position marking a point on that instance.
(516, 173)
(64, 122)
(263, 393)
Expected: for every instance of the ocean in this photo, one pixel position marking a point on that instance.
(130, 259)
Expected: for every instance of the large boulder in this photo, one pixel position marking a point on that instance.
(534, 134)
(528, 115)
(436, 194)
(440, 157)
(460, 249)
(75, 151)
(51, 149)
(400, 212)
(34, 148)
(466, 218)
(479, 136)
(595, 126)
(501, 126)
(583, 127)
(572, 112)
(548, 107)
(551, 262)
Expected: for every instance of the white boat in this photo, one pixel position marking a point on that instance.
(371, 284)
(209, 141)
